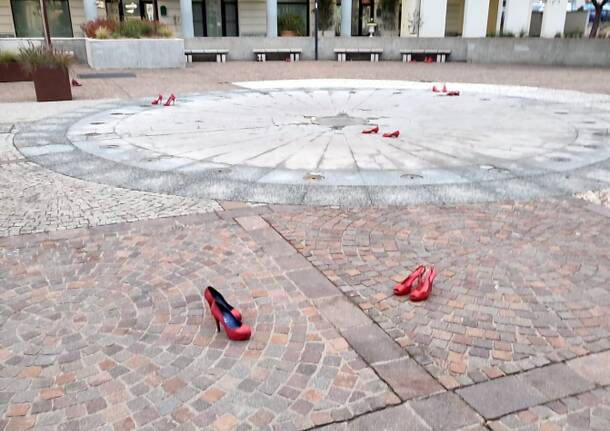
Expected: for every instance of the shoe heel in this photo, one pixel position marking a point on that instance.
(217, 324)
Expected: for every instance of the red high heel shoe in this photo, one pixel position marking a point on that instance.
(394, 134)
(212, 295)
(453, 93)
(170, 100)
(75, 83)
(435, 90)
(404, 287)
(371, 130)
(444, 88)
(423, 290)
(157, 100)
(234, 329)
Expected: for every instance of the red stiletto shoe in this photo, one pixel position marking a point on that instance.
(404, 287)
(423, 290)
(435, 90)
(170, 100)
(394, 134)
(157, 100)
(453, 93)
(212, 295)
(75, 83)
(234, 329)
(371, 130)
(444, 88)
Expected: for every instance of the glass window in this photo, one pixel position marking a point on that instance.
(231, 26)
(296, 14)
(28, 19)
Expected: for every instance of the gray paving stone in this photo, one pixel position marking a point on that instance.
(595, 368)
(557, 381)
(342, 313)
(313, 284)
(499, 397)
(398, 418)
(445, 411)
(373, 344)
(407, 379)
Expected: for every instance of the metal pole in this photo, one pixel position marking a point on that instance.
(317, 25)
(45, 23)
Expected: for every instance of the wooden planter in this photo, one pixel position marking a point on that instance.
(52, 84)
(13, 72)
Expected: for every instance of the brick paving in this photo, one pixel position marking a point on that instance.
(509, 296)
(106, 326)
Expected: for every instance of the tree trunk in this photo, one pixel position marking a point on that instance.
(596, 20)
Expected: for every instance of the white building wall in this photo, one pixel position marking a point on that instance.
(410, 13)
(553, 18)
(475, 18)
(252, 17)
(6, 19)
(433, 14)
(172, 20)
(517, 16)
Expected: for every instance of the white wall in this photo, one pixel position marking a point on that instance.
(553, 18)
(172, 20)
(517, 16)
(252, 17)
(433, 14)
(410, 12)
(6, 19)
(475, 18)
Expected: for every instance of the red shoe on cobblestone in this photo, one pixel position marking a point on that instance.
(423, 290)
(453, 93)
(157, 100)
(212, 295)
(404, 287)
(171, 100)
(435, 89)
(444, 88)
(371, 130)
(235, 330)
(394, 134)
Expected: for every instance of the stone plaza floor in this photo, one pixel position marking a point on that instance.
(115, 215)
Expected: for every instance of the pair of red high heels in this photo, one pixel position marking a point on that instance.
(375, 130)
(424, 284)
(170, 100)
(225, 313)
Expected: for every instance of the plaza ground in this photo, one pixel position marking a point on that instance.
(103, 323)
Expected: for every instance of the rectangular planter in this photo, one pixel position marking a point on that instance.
(13, 72)
(135, 53)
(52, 84)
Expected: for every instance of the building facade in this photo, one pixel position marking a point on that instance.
(271, 18)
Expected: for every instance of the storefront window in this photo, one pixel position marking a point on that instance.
(296, 14)
(28, 19)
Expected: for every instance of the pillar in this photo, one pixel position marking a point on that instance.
(553, 18)
(517, 16)
(433, 15)
(271, 18)
(409, 27)
(475, 18)
(186, 18)
(90, 9)
(346, 18)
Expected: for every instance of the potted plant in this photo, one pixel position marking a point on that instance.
(327, 18)
(290, 25)
(10, 68)
(49, 68)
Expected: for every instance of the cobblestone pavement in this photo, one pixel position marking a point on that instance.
(106, 326)
(35, 199)
(509, 296)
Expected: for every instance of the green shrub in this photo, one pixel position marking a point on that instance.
(103, 28)
(164, 31)
(90, 27)
(8, 57)
(103, 33)
(291, 22)
(35, 57)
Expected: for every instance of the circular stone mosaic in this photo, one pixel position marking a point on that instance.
(302, 142)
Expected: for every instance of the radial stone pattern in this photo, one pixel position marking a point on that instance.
(305, 145)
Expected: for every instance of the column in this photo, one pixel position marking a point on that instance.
(409, 27)
(186, 18)
(90, 9)
(475, 18)
(271, 18)
(433, 15)
(517, 16)
(553, 18)
(346, 18)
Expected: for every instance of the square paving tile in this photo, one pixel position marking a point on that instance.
(595, 368)
(373, 344)
(557, 381)
(445, 411)
(407, 378)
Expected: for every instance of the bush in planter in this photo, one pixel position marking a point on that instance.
(49, 68)
(90, 28)
(103, 28)
(11, 69)
(291, 25)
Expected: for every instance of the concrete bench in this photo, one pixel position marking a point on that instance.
(344, 53)
(220, 54)
(440, 54)
(293, 53)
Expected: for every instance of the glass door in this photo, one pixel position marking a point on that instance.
(230, 24)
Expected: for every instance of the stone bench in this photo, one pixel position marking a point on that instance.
(293, 53)
(220, 54)
(440, 54)
(344, 53)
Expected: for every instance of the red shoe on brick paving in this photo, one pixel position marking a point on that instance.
(157, 100)
(371, 130)
(435, 90)
(235, 330)
(423, 290)
(444, 88)
(212, 295)
(394, 134)
(170, 100)
(453, 93)
(75, 83)
(404, 287)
